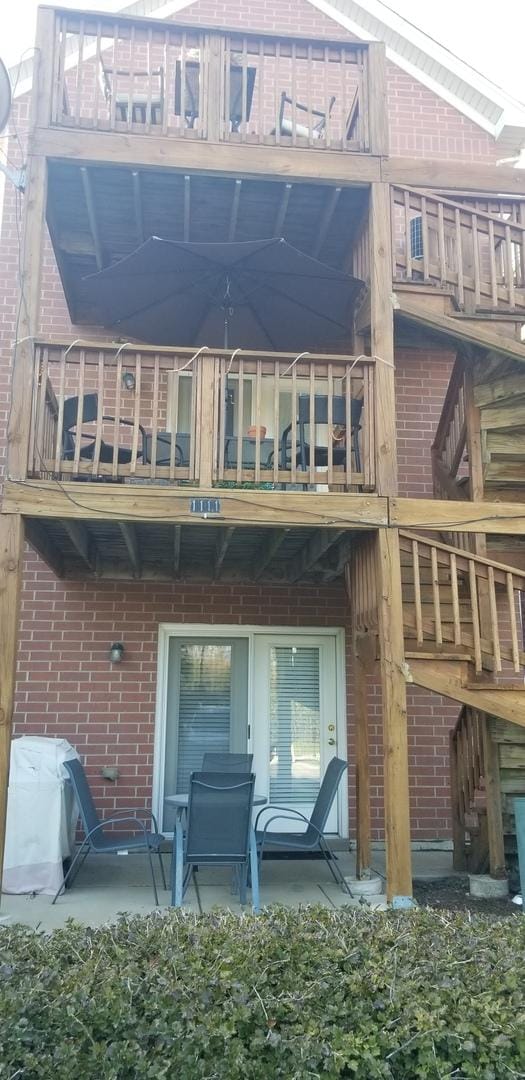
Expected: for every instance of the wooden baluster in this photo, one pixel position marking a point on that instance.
(368, 430)
(408, 245)
(35, 415)
(312, 425)
(80, 411)
(492, 265)
(364, 111)
(330, 425)
(98, 65)
(131, 77)
(493, 607)
(240, 421)
(293, 433)
(80, 70)
(512, 620)
(61, 76)
(244, 94)
(475, 253)
(348, 424)
(218, 424)
(442, 250)
(326, 93)
(294, 95)
(417, 593)
(277, 94)
(175, 419)
(459, 258)
(166, 66)
(100, 413)
(424, 236)
(116, 422)
(114, 81)
(42, 448)
(308, 102)
(194, 440)
(155, 418)
(455, 598)
(149, 68)
(436, 596)
(136, 414)
(474, 607)
(276, 403)
(258, 373)
(223, 392)
(260, 92)
(182, 62)
(509, 266)
(60, 419)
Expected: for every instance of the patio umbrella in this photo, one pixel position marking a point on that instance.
(258, 294)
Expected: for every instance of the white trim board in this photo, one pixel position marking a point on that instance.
(226, 630)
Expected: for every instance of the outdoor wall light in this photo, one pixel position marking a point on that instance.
(128, 380)
(116, 652)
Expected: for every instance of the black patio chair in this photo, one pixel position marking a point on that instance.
(313, 838)
(227, 763)
(218, 832)
(99, 841)
(88, 415)
(248, 447)
(237, 89)
(303, 448)
(163, 448)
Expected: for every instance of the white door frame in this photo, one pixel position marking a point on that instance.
(226, 630)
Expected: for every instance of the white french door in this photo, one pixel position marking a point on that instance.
(294, 721)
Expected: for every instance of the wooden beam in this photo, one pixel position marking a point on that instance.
(187, 208)
(312, 551)
(137, 206)
(92, 217)
(395, 740)
(221, 158)
(377, 98)
(11, 562)
(129, 534)
(70, 500)
(450, 678)
(443, 515)
(268, 551)
(382, 338)
(326, 220)
(234, 210)
(455, 328)
(82, 542)
(223, 544)
(442, 175)
(362, 769)
(36, 536)
(177, 536)
(282, 211)
(491, 775)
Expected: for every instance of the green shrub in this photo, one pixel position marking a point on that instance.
(291, 994)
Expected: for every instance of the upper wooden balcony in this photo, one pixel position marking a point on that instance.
(204, 418)
(120, 74)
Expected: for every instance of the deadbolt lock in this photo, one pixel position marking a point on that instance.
(331, 742)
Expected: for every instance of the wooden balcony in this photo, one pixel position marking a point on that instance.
(159, 78)
(141, 415)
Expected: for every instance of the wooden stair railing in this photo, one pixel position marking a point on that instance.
(476, 253)
(448, 450)
(467, 770)
(445, 593)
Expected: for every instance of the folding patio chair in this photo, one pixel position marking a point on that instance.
(313, 838)
(218, 832)
(290, 126)
(304, 448)
(223, 763)
(71, 432)
(147, 106)
(98, 841)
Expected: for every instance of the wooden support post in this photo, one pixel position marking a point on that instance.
(395, 742)
(493, 796)
(382, 338)
(377, 99)
(11, 559)
(459, 856)
(31, 254)
(207, 420)
(362, 769)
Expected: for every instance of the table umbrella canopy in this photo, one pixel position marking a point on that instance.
(260, 294)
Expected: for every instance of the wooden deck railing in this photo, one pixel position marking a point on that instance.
(445, 591)
(159, 415)
(153, 77)
(478, 253)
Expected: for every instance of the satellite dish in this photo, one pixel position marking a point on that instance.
(5, 96)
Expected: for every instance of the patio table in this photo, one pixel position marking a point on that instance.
(180, 804)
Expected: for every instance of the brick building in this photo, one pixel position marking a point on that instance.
(119, 714)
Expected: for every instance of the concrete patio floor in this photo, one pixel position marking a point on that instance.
(108, 885)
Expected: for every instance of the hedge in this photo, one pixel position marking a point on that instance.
(292, 994)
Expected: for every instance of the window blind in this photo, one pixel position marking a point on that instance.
(295, 765)
(204, 706)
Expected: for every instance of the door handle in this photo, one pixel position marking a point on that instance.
(331, 742)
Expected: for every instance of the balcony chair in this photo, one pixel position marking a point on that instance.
(192, 71)
(303, 448)
(218, 832)
(141, 103)
(89, 415)
(98, 841)
(248, 452)
(227, 763)
(313, 838)
(163, 449)
(287, 126)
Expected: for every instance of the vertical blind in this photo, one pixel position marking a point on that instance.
(204, 706)
(295, 765)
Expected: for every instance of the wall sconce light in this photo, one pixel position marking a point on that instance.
(128, 380)
(116, 652)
